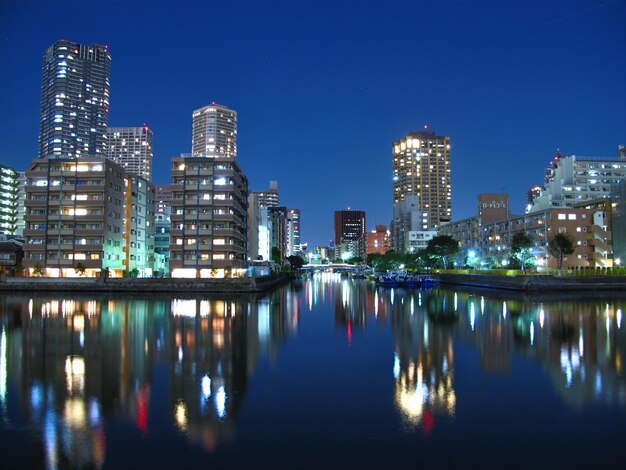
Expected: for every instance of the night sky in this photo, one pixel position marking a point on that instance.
(323, 88)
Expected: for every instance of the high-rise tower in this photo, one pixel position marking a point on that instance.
(421, 166)
(214, 132)
(74, 100)
(131, 148)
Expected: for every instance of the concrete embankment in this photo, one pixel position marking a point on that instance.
(129, 285)
(537, 283)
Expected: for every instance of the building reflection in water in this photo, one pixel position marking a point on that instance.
(77, 362)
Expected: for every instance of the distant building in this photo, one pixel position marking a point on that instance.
(87, 212)
(573, 180)
(421, 167)
(9, 200)
(269, 197)
(409, 226)
(214, 132)
(377, 241)
(349, 234)
(278, 233)
(293, 232)
(74, 100)
(131, 148)
(163, 225)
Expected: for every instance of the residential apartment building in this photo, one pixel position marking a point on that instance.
(87, 212)
(214, 132)
(209, 217)
(269, 197)
(74, 100)
(421, 167)
(131, 148)
(377, 241)
(409, 227)
(9, 200)
(573, 180)
(293, 232)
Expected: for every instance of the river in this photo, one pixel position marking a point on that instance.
(326, 372)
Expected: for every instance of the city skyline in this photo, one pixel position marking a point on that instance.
(508, 84)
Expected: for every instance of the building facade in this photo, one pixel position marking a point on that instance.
(294, 248)
(409, 227)
(421, 167)
(209, 217)
(214, 132)
(86, 213)
(377, 241)
(74, 100)
(131, 148)
(9, 200)
(350, 234)
(574, 180)
(269, 197)
(589, 227)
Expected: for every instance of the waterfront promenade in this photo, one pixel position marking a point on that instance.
(143, 285)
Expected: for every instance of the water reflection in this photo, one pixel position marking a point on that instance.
(71, 365)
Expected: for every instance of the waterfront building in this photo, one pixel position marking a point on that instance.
(209, 217)
(87, 213)
(131, 148)
(618, 220)
(259, 230)
(377, 241)
(214, 132)
(74, 100)
(9, 200)
(162, 243)
(11, 254)
(21, 201)
(349, 234)
(421, 167)
(589, 225)
(269, 197)
(409, 227)
(572, 180)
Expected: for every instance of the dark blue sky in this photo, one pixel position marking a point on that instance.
(322, 88)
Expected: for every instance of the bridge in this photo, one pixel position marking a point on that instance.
(337, 268)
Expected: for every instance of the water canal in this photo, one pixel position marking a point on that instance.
(324, 372)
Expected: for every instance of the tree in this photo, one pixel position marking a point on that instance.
(80, 269)
(38, 270)
(295, 261)
(441, 247)
(521, 243)
(276, 258)
(560, 246)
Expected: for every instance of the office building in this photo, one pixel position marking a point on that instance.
(573, 180)
(9, 200)
(131, 148)
(278, 233)
(209, 217)
(349, 234)
(87, 213)
(74, 100)
(214, 132)
(421, 167)
(294, 248)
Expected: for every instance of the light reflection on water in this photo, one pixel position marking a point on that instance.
(78, 363)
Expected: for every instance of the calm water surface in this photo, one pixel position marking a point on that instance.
(327, 372)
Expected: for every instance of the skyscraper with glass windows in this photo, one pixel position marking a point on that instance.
(74, 100)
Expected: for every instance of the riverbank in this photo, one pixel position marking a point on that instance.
(133, 285)
(537, 283)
